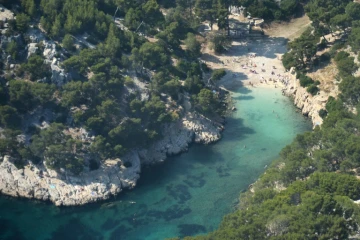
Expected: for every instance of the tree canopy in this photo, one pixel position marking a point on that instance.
(124, 75)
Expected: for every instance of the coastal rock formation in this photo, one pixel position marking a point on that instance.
(178, 136)
(64, 189)
(308, 104)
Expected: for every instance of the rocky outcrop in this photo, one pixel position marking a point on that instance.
(59, 76)
(177, 137)
(39, 182)
(309, 105)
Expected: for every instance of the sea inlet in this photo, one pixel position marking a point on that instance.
(187, 195)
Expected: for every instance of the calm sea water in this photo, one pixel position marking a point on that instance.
(187, 195)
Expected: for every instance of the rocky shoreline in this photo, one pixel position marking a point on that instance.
(63, 189)
(308, 104)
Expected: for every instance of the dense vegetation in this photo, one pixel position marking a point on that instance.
(338, 18)
(109, 59)
(273, 10)
(309, 192)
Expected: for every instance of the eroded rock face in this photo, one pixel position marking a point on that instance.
(192, 127)
(41, 183)
(309, 105)
(59, 76)
(62, 189)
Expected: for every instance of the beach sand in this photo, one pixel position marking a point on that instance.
(239, 61)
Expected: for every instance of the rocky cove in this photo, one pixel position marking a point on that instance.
(64, 189)
(115, 175)
(179, 196)
(39, 182)
(308, 104)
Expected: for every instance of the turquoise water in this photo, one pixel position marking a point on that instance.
(187, 195)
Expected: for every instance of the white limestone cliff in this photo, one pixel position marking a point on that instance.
(308, 104)
(64, 189)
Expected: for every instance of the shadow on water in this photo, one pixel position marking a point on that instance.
(75, 229)
(191, 229)
(238, 131)
(241, 97)
(9, 231)
(243, 90)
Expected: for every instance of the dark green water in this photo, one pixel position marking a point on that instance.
(187, 195)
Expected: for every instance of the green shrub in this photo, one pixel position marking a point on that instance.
(68, 42)
(305, 80)
(322, 45)
(288, 60)
(325, 57)
(205, 67)
(129, 82)
(334, 48)
(218, 74)
(312, 89)
(323, 113)
(219, 42)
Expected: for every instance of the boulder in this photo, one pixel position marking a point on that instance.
(32, 48)
(58, 75)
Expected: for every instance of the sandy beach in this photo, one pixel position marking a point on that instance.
(268, 51)
(251, 63)
(256, 63)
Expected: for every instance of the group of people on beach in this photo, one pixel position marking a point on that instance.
(252, 65)
(277, 77)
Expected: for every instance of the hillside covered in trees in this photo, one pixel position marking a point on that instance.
(312, 190)
(115, 70)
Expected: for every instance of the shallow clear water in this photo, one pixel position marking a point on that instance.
(187, 195)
